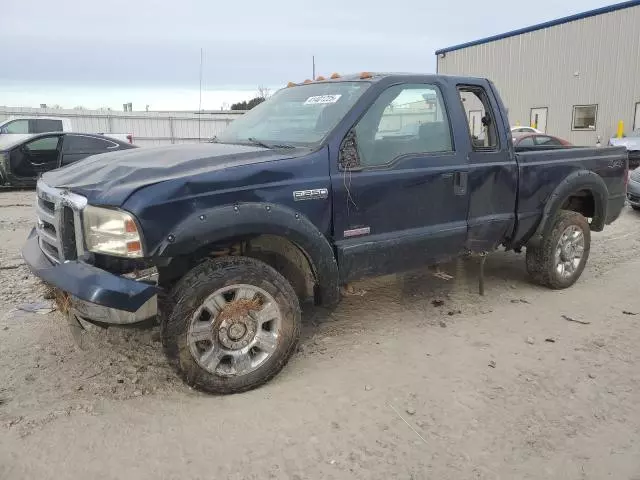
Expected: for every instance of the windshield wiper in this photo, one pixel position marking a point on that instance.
(282, 145)
(255, 141)
(260, 143)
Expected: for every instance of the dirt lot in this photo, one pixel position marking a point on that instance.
(419, 378)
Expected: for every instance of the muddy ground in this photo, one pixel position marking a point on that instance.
(419, 378)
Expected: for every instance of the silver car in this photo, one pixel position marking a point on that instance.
(633, 189)
(632, 143)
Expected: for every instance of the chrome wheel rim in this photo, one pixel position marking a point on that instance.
(569, 252)
(235, 330)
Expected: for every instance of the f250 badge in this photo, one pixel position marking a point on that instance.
(313, 194)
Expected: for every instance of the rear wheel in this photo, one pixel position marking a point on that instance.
(635, 207)
(235, 322)
(562, 255)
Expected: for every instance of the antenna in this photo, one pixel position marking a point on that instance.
(313, 61)
(200, 99)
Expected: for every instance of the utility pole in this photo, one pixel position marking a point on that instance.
(313, 62)
(200, 99)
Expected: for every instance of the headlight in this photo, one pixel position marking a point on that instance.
(112, 232)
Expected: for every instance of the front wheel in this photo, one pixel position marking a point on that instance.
(235, 322)
(562, 254)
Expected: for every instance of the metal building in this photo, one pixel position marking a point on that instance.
(575, 77)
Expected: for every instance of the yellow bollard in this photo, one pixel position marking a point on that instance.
(620, 133)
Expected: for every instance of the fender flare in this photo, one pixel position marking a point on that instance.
(575, 182)
(245, 219)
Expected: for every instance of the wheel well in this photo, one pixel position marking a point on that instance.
(278, 252)
(582, 202)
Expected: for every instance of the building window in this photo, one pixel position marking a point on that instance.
(584, 117)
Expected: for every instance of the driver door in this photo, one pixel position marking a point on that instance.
(405, 204)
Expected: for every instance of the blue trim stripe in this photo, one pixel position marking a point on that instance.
(540, 26)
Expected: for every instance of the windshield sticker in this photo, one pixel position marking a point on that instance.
(319, 99)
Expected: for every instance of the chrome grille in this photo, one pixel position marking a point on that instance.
(59, 223)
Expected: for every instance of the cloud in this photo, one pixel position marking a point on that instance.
(140, 43)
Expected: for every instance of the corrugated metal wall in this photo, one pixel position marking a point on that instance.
(595, 60)
(148, 128)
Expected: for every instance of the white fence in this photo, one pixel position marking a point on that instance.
(148, 128)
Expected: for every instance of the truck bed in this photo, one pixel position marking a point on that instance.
(541, 169)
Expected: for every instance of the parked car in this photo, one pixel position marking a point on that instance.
(19, 128)
(223, 241)
(516, 130)
(632, 143)
(633, 189)
(538, 140)
(23, 160)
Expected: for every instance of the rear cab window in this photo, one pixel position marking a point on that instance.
(480, 116)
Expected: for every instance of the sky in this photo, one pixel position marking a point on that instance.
(103, 54)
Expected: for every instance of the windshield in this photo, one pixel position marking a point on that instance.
(296, 116)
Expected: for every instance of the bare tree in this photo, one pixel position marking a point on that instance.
(263, 92)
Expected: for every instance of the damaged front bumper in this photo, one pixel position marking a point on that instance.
(95, 295)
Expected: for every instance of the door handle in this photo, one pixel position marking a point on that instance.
(460, 180)
(447, 175)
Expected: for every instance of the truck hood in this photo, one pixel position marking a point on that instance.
(631, 143)
(110, 178)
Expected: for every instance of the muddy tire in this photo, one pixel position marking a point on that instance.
(560, 258)
(234, 324)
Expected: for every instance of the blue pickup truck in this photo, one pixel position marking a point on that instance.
(324, 183)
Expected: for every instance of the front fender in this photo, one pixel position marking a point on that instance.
(246, 219)
(574, 183)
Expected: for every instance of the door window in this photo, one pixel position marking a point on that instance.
(526, 142)
(548, 141)
(42, 144)
(44, 125)
(17, 126)
(482, 131)
(82, 143)
(404, 120)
